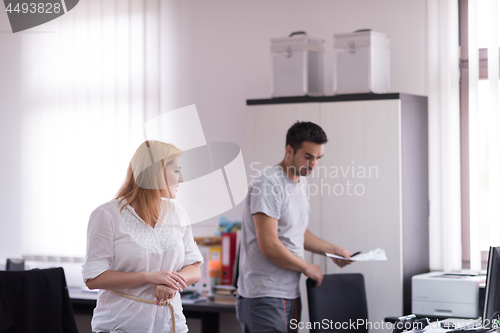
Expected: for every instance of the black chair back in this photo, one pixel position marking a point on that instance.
(341, 300)
(35, 301)
(14, 265)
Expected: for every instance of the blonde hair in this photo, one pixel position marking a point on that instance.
(146, 180)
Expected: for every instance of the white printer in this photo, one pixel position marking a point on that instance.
(446, 294)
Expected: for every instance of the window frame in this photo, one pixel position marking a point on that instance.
(464, 128)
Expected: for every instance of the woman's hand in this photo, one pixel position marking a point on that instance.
(171, 279)
(163, 292)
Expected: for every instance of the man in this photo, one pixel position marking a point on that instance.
(275, 234)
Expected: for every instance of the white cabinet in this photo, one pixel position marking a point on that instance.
(370, 189)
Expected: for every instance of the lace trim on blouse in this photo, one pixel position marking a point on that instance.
(163, 237)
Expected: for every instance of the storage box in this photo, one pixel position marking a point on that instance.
(297, 66)
(361, 63)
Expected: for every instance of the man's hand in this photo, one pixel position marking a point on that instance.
(314, 272)
(344, 253)
(317, 245)
(162, 292)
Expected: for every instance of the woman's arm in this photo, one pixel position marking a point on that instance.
(111, 280)
(191, 273)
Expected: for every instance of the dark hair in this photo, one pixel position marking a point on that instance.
(303, 131)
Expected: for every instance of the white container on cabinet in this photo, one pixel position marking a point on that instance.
(297, 66)
(361, 63)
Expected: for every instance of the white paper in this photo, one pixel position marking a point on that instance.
(193, 300)
(374, 255)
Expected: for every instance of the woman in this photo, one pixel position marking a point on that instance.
(140, 248)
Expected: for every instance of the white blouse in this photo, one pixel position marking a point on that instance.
(124, 242)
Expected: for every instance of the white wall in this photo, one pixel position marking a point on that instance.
(10, 141)
(221, 53)
(217, 55)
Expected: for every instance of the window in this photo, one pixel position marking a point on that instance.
(480, 127)
(89, 78)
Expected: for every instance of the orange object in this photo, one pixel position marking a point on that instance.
(214, 267)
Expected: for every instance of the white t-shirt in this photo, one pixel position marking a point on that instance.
(276, 195)
(124, 242)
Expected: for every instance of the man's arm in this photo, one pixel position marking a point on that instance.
(317, 245)
(270, 245)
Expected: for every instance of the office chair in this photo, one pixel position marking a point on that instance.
(35, 301)
(341, 298)
(14, 265)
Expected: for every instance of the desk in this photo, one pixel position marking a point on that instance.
(208, 312)
(419, 316)
(435, 324)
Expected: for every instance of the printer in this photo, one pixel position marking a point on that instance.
(453, 294)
